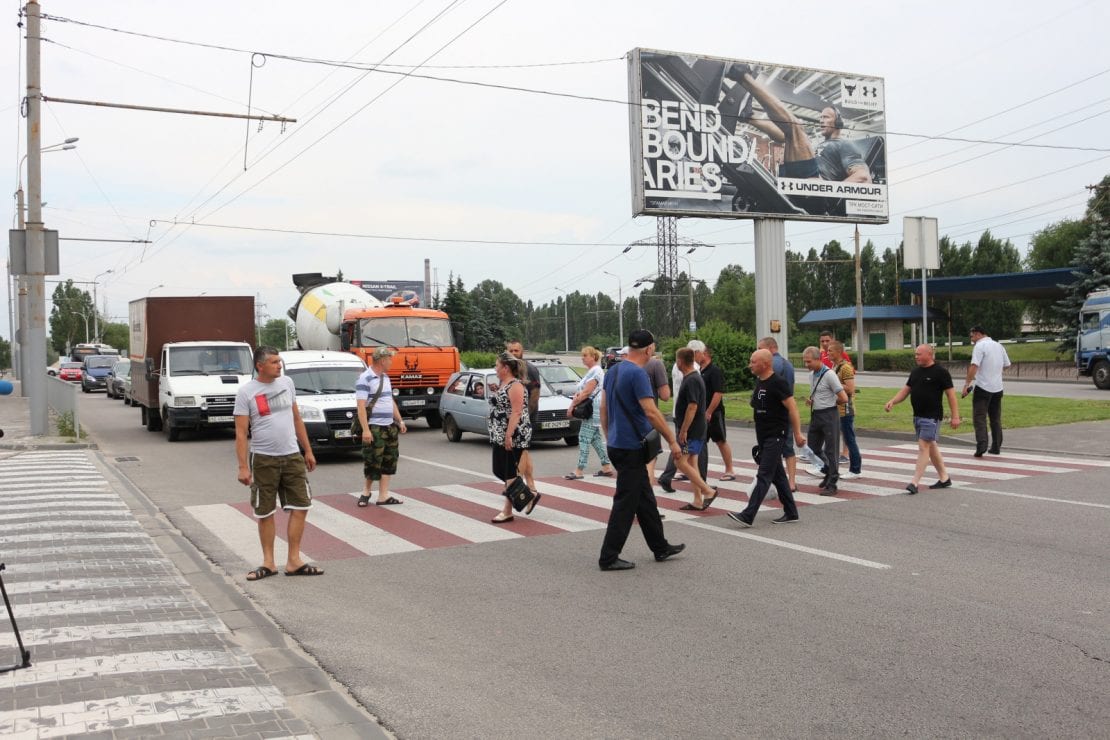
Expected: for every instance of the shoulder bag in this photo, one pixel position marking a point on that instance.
(651, 444)
(585, 408)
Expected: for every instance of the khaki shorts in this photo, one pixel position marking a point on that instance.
(281, 477)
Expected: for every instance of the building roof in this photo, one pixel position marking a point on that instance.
(847, 314)
(1035, 284)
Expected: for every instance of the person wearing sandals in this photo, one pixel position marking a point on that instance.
(589, 434)
(691, 430)
(510, 429)
(268, 429)
(381, 426)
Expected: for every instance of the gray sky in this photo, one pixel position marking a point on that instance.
(379, 155)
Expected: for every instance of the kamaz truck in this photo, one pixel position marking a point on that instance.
(1092, 347)
(334, 315)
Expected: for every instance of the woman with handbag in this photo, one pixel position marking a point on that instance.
(586, 405)
(510, 431)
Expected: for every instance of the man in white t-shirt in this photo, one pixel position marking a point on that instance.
(984, 374)
(276, 471)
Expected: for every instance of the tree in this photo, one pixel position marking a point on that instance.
(733, 299)
(117, 335)
(275, 333)
(1091, 267)
(5, 354)
(71, 317)
(456, 304)
(1054, 245)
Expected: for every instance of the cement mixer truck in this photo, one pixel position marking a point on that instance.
(333, 315)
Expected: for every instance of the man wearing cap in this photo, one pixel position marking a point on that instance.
(628, 413)
(669, 473)
(984, 374)
(381, 424)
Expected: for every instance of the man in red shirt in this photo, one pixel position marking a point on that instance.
(826, 337)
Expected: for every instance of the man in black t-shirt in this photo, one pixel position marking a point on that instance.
(715, 406)
(927, 386)
(690, 429)
(776, 415)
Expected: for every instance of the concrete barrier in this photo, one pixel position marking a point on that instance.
(61, 397)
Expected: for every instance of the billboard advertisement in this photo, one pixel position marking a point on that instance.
(409, 291)
(731, 138)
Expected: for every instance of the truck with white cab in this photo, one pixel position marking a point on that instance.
(190, 356)
(325, 383)
(1092, 347)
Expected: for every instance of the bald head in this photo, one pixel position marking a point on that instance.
(924, 355)
(760, 364)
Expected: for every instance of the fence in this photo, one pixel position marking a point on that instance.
(61, 397)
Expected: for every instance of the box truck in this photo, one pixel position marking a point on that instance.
(189, 356)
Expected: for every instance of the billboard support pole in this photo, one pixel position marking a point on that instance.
(770, 281)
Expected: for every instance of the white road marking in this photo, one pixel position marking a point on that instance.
(448, 521)
(117, 713)
(1038, 498)
(435, 464)
(549, 516)
(50, 671)
(127, 631)
(789, 545)
(239, 533)
(357, 533)
(1047, 459)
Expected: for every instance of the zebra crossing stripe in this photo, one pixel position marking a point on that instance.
(327, 513)
(152, 661)
(1082, 462)
(467, 528)
(239, 533)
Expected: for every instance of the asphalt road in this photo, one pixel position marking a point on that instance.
(978, 610)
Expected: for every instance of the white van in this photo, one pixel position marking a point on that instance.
(325, 382)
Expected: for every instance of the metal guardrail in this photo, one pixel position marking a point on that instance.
(61, 397)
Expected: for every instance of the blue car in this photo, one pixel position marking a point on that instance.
(96, 371)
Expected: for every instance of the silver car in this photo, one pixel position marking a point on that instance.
(464, 407)
(119, 373)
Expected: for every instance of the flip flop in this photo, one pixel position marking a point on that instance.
(390, 502)
(363, 500)
(306, 570)
(603, 474)
(706, 503)
(574, 477)
(532, 503)
(690, 507)
(260, 572)
(730, 476)
(502, 520)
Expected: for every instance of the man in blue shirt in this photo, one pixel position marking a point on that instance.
(628, 413)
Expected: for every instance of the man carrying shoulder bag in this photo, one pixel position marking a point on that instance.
(628, 416)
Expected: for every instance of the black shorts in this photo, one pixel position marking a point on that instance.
(717, 426)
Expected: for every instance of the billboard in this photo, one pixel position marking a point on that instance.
(730, 138)
(408, 290)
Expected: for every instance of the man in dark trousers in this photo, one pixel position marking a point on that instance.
(669, 473)
(628, 413)
(776, 415)
(715, 407)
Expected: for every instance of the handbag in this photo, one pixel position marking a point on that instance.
(584, 409)
(520, 495)
(651, 444)
(356, 427)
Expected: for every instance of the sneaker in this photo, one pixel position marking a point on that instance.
(816, 471)
(843, 460)
(850, 475)
(942, 483)
(784, 519)
(739, 519)
(911, 489)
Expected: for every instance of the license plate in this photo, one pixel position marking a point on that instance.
(559, 424)
(218, 419)
(413, 402)
(343, 434)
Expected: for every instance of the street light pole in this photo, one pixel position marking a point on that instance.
(35, 342)
(156, 287)
(96, 319)
(690, 283)
(566, 319)
(620, 308)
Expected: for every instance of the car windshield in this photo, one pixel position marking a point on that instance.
(72, 365)
(403, 331)
(315, 381)
(209, 360)
(558, 374)
(122, 369)
(98, 362)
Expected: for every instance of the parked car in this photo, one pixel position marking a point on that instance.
(125, 392)
(119, 372)
(71, 371)
(53, 369)
(610, 357)
(563, 379)
(94, 375)
(464, 407)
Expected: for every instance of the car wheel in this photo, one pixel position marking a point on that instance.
(1101, 375)
(152, 419)
(435, 421)
(451, 429)
(571, 441)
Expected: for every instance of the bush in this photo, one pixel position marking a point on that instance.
(64, 423)
(732, 350)
(478, 359)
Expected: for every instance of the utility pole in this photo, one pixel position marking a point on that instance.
(859, 307)
(35, 342)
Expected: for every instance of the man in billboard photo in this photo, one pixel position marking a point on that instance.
(782, 126)
(838, 159)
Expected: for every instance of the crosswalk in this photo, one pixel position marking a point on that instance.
(106, 617)
(458, 514)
